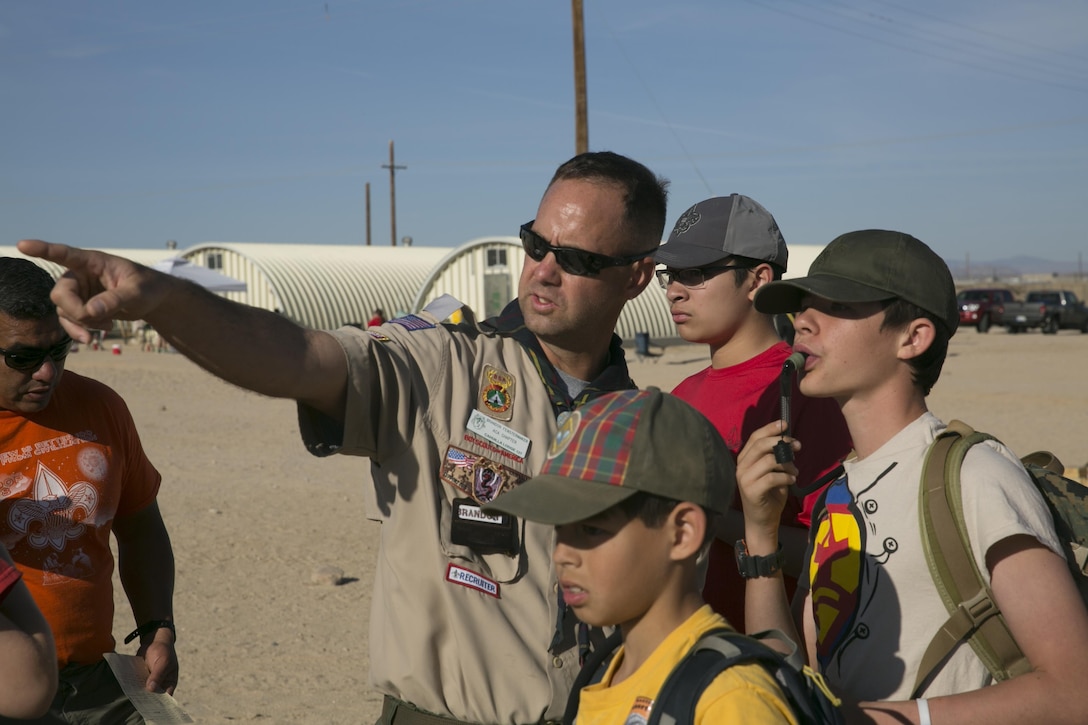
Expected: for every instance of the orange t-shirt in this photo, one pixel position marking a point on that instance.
(65, 474)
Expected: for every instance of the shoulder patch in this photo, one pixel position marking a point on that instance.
(412, 322)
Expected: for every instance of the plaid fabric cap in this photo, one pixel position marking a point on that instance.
(604, 442)
(619, 444)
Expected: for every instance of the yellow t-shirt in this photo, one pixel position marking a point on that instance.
(743, 693)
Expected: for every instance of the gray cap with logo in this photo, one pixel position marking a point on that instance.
(724, 226)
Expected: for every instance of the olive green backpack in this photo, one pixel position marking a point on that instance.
(973, 614)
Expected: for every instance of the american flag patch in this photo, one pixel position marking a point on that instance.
(412, 322)
(459, 458)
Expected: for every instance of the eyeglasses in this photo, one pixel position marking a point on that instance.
(572, 261)
(693, 277)
(31, 358)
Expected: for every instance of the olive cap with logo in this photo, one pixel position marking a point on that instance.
(617, 445)
(871, 265)
(720, 227)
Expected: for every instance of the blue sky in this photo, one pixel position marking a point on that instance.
(126, 124)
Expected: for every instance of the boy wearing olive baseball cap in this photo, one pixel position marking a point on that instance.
(632, 484)
(874, 317)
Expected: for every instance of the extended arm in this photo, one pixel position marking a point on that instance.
(28, 657)
(145, 562)
(250, 347)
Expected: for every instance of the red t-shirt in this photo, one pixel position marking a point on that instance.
(65, 474)
(738, 400)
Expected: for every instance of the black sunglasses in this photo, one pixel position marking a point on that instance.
(572, 261)
(31, 358)
(693, 277)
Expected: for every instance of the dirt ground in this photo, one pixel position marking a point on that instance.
(252, 516)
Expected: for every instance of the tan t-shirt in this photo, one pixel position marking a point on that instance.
(874, 601)
(455, 415)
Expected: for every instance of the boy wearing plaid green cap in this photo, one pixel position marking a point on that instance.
(633, 483)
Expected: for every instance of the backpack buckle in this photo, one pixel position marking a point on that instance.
(979, 608)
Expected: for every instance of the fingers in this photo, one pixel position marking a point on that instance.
(162, 667)
(96, 288)
(75, 287)
(59, 253)
(763, 481)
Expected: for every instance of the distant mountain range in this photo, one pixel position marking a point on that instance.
(1014, 267)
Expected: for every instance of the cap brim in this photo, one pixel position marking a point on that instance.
(686, 256)
(786, 295)
(557, 500)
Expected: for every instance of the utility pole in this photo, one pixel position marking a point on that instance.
(368, 213)
(581, 120)
(393, 193)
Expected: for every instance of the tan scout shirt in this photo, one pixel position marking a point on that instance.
(453, 631)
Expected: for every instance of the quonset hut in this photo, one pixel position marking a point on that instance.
(322, 286)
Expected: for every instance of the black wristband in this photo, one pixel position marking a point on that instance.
(151, 626)
(752, 567)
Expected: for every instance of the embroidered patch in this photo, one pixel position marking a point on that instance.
(492, 448)
(478, 476)
(459, 575)
(497, 393)
(412, 322)
(640, 711)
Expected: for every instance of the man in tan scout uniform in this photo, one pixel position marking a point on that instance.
(467, 622)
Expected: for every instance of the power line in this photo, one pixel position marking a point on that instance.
(1004, 73)
(891, 25)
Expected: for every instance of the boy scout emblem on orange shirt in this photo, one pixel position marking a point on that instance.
(497, 396)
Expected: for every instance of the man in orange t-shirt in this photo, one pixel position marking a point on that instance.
(72, 469)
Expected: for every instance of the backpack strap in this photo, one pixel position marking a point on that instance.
(973, 614)
(807, 694)
(716, 651)
(591, 673)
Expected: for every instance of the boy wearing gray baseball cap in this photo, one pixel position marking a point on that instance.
(720, 253)
(874, 317)
(632, 484)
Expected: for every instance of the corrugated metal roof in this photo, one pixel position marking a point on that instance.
(322, 286)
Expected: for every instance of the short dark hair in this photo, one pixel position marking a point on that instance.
(926, 368)
(652, 510)
(741, 273)
(24, 290)
(645, 195)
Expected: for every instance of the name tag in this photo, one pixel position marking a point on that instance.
(483, 532)
(501, 435)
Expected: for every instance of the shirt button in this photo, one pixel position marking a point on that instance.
(557, 662)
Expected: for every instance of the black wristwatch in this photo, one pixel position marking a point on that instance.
(751, 567)
(151, 626)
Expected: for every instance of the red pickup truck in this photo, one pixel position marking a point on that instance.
(982, 307)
